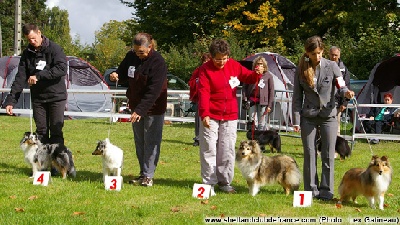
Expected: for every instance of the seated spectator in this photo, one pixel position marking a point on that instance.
(379, 117)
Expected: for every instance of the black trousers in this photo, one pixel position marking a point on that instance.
(374, 126)
(49, 119)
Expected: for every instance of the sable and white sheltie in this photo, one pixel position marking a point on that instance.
(29, 145)
(372, 182)
(112, 156)
(259, 169)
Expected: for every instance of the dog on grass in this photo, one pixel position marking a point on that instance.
(259, 169)
(29, 145)
(112, 157)
(342, 147)
(266, 137)
(371, 182)
(58, 156)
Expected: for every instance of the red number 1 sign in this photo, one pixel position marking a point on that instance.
(302, 199)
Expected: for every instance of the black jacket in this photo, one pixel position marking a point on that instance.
(147, 90)
(50, 86)
(346, 77)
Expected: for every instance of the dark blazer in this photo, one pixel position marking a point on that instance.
(310, 102)
(388, 115)
(265, 94)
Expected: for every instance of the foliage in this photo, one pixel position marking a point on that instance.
(111, 44)
(83, 200)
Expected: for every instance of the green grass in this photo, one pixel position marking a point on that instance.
(83, 200)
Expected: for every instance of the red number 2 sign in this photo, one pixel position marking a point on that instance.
(201, 190)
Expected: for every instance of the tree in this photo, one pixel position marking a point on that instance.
(173, 22)
(111, 44)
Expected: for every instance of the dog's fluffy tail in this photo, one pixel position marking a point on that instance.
(294, 175)
(71, 170)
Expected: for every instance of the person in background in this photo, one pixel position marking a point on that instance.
(145, 71)
(193, 81)
(315, 85)
(379, 117)
(258, 98)
(334, 55)
(43, 65)
(218, 110)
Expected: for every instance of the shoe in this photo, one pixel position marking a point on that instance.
(227, 189)
(196, 143)
(147, 182)
(212, 192)
(323, 198)
(137, 180)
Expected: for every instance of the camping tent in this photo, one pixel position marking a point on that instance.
(283, 71)
(384, 78)
(80, 75)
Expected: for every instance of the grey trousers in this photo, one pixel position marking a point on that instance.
(217, 152)
(328, 129)
(148, 135)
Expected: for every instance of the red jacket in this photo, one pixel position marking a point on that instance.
(193, 95)
(216, 97)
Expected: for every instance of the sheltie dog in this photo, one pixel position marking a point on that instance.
(29, 145)
(372, 182)
(266, 137)
(342, 147)
(112, 157)
(57, 156)
(259, 169)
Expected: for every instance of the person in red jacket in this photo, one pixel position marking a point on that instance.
(194, 79)
(218, 110)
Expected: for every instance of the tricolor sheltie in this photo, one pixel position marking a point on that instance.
(57, 156)
(372, 182)
(112, 156)
(29, 145)
(259, 169)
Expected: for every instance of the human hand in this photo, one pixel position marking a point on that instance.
(268, 109)
(9, 109)
(342, 108)
(135, 117)
(114, 76)
(246, 105)
(206, 122)
(32, 80)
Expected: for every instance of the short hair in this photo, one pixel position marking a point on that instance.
(388, 95)
(219, 46)
(334, 48)
(27, 28)
(264, 62)
(205, 57)
(142, 39)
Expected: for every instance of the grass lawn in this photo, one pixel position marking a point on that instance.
(83, 200)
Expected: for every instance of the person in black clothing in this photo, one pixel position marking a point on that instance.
(43, 65)
(334, 55)
(379, 117)
(145, 70)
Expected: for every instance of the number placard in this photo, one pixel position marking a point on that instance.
(113, 183)
(201, 191)
(41, 178)
(302, 198)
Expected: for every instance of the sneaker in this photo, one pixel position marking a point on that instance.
(137, 180)
(196, 143)
(374, 141)
(212, 192)
(227, 189)
(147, 182)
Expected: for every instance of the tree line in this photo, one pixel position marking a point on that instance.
(366, 31)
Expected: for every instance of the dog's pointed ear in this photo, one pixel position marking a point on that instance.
(384, 158)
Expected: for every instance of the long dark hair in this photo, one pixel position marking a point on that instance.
(306, 70)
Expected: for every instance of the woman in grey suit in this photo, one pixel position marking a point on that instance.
(316, 82)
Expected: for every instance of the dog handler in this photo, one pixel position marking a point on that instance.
(218, 110)
(315, 84)
(43, 65)
(146, 73)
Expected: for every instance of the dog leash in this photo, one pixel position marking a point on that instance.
(113, 101)
(355, 103)
(31, 112)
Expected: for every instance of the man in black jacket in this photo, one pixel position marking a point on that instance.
(43, 66)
